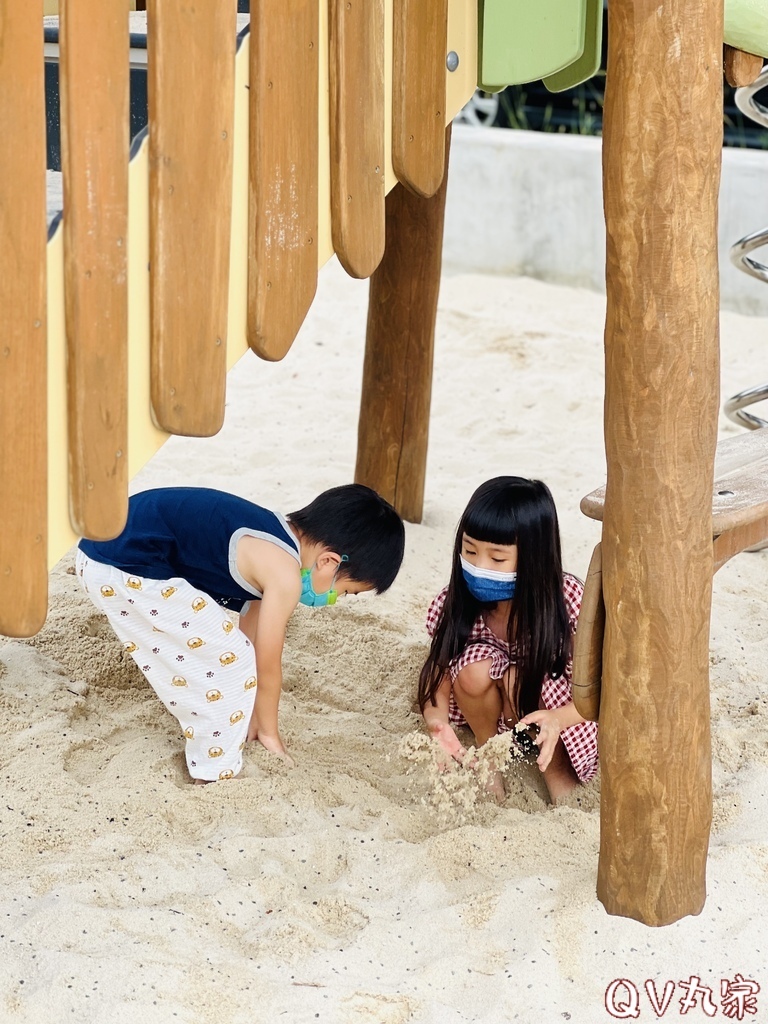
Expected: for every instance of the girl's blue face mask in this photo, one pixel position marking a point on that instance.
(488, 584)
(309, 595)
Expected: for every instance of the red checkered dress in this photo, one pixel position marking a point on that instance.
(580, 741)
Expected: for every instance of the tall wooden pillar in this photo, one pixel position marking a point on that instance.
(397, 374)
(661, 164)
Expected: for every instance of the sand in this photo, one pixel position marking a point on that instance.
(349, 889)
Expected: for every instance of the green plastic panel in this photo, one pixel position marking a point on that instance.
(588, 63)
(524, 40)
(746, 25)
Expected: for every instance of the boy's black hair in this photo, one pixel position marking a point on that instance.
(509, 510)
(355, 521)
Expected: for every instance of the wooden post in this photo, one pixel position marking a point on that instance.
(397, 372)
(23, 385)
(661, 166)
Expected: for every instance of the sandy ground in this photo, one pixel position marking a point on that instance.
(333, 892)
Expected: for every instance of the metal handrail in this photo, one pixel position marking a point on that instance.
(735, 407)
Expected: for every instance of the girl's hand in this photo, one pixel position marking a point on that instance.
(550, 726)
(443, 734)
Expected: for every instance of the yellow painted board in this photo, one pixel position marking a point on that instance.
(144, 438)
(51, 7)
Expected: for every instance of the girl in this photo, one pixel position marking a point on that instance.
(502, 635)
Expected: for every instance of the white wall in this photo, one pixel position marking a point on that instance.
(531, 203)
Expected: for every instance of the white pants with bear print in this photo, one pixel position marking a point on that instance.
(197, 661)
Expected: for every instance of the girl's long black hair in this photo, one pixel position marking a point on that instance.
(509, 510)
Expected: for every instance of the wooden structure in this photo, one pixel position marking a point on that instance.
(122, 328)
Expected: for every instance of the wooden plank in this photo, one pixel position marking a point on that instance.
(588, 642)
(283, 173)
(191, 85)
(393, 428)
(93, 75)
(418, 93)
(356, 29)
(23, 393)
(740, 68)
(661, 147)
(739, 490)
(750, 535)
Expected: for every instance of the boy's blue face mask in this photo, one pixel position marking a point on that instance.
(309, 595)
(488, 584)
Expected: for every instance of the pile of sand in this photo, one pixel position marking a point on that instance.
(361, 886)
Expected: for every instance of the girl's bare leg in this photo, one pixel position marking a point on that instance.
(480, 701)
(559, 776)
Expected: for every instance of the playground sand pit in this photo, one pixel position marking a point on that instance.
(364, 884)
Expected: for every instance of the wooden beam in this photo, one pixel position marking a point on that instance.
(94, 85)
(23, 385)
(283, 172)
(191, 68)
(661, 164)
(357, 133)
(397, 371)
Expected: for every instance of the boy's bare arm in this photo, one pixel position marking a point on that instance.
(276, 609)
(276, 574)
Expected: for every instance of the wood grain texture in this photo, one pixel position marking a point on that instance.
(356, 30)
(393, 428)
(661, 164)
(94, 87)
(418, 93)
(283, 173)
(588, 642)
(740, 68)
(191, 85)
(23, 386)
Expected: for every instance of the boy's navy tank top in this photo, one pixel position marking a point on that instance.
(192, 532)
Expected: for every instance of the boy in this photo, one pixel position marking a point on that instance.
(186, 553)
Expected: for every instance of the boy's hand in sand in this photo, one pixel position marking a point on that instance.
(272, 743)
(443, 734)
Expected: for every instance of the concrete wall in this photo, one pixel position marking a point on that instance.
(531, 203)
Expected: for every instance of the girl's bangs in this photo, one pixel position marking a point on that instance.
(490, 522)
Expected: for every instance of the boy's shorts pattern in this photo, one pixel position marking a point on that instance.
(197, 661)
(580, 741)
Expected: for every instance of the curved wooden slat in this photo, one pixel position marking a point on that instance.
(356, 29)
(94, 88)
(23, 391)
(418, 93)
(588, 642)
(191, 68)
(740, 68)
(283, 173)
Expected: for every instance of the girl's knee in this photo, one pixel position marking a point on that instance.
(475, 679)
